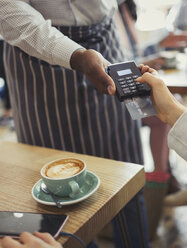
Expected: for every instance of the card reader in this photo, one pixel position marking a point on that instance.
(124, 76)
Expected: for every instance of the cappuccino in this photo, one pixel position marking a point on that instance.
(64, 168)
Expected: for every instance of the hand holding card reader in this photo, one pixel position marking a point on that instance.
(133, 94)
(124, 76)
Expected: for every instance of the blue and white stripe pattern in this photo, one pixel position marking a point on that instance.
(57, 107)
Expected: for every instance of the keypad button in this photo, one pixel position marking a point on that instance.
(122, 83)
(135, 76)
(124, 86)
(134, 91)
(133, 87)
(131, 84)
(130, 81)
(121, 79)
(126, 91)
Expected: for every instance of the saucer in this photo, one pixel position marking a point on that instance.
(90, 186)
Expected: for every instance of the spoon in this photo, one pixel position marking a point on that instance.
(54, 197)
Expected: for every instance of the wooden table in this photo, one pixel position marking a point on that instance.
(176, 79)
(20, 169)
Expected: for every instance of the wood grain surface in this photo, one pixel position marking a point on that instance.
(20, 169)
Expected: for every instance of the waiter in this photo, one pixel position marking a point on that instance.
(55, 59)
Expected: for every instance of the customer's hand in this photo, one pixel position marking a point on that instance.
(93, 65)
(168, 108)
(27, 240)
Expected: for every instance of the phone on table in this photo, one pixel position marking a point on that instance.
(14, 223)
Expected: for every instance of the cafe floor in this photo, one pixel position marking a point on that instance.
(172, 229)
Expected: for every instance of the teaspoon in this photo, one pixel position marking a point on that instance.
(54, 197)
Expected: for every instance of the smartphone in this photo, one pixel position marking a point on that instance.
(14, 223)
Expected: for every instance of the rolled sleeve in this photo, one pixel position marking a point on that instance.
(177, 136)
(24, 27)
(63, 50)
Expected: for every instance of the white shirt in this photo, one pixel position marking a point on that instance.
(181, 19)
(28, 24)
(177, 137)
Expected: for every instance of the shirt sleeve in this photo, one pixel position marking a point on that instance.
(177, 137)
(24, 27)
(120, 1)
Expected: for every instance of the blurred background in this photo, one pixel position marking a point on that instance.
(154, 33)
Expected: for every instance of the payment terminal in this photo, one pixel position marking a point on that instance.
(124, 76)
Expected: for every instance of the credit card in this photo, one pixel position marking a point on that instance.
(140, 107)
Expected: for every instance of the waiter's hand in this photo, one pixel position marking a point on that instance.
(27, 240)
(93, 65)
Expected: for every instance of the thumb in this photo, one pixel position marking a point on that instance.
(146, 78)
(108, 83)
(46, 237)
(111, 87)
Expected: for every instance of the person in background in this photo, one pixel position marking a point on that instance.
(55, 57)
(177, 39)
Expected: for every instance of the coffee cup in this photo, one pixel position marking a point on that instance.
(170, 58)
(64, 177)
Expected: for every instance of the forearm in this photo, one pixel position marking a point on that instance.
(177, 137)
(24, 27)
(176, 110)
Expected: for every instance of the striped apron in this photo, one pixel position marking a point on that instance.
(59, 108)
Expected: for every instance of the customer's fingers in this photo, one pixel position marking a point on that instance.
(8, 242)
(149, 79)
(153, 71)
(140, 66)
(25, 237)
(45, 237)
(145, 68)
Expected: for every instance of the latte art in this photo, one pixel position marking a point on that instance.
(64, 169)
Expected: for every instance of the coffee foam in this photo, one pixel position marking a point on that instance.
(64, 169)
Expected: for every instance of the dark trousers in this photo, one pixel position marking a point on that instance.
(5, 94)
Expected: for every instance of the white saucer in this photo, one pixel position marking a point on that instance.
(90, 186)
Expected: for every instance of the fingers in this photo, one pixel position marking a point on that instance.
(102, 81)
(8, 242)
(145, 68)
(147, 78)
(46, 237)
(25, 237)
(108, 83)
(111, 89)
